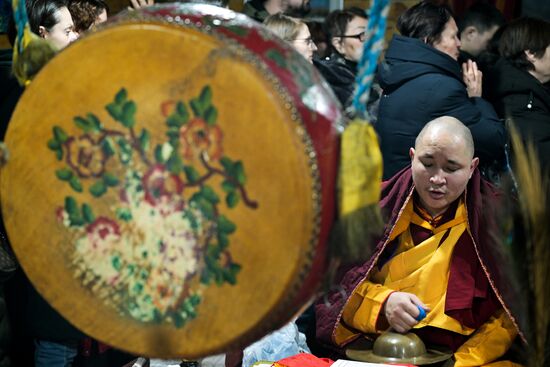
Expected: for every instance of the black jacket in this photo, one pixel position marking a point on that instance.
(518, 95)
(465, 56)
(340, 75)
(419, 84)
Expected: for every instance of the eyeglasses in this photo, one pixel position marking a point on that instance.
(309, 41)
(360, 36)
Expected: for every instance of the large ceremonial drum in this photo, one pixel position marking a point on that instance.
(171, 182)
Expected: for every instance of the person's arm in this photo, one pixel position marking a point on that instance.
(488, 343)
(373, 308)
(363, 307)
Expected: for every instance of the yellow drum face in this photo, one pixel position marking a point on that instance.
(161, 193)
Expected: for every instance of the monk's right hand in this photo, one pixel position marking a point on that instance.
(401, 310)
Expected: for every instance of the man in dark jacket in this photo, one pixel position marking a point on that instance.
(476, 27)
(421, 80)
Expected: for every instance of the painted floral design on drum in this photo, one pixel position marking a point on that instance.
(153, 252)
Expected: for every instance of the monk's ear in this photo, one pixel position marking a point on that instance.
(411, 154)
(473, 166)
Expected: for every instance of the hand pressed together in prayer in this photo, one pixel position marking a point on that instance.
(402, 309)
(472, 76)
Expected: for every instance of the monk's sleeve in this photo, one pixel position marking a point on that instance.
(363, 307)
(488, 343)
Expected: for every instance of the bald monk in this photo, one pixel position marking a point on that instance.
(435, 258)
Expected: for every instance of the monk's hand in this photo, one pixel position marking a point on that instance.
(472, 77)
(402, 310)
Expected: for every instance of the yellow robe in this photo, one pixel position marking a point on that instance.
(424, 271)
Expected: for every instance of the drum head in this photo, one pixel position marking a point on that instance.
(163, 193)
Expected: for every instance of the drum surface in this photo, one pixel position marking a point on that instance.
(165, 191)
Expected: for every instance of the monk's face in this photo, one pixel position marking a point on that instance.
(441, 167)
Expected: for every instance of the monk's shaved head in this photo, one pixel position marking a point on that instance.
(447, 127)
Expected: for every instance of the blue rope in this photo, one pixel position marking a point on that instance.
(374, 44)
(21, 20)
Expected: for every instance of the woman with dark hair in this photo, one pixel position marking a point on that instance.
(51, 20)
(421, 80)
(346, 34)
(516, 87)
(87, 13)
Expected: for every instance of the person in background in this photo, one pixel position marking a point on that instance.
(51, 20)
(488, 58)
(476, 28)
(260, 9)
(87, 13)
(422, 80)
(55, 340)
(347, 33)
(516, 84)
(294, 31)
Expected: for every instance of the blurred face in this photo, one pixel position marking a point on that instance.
(304, 44)
(441, 168)
(475, 42)
(542, 65)
(449, 42)
(299, 5)
(102, 17)
(351, 45)
(62, 33)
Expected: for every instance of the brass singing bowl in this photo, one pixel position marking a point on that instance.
(396, 345)
(393, 347)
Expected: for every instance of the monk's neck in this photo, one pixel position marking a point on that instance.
(435, 217)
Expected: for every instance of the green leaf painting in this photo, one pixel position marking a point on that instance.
(150, 219)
